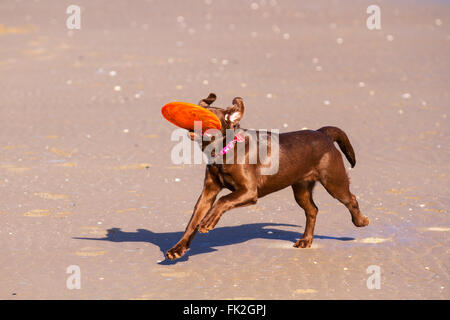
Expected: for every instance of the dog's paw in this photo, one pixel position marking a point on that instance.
(303, 243)
(203, 228)
(361, 222)
(176, 252)
(207, 224)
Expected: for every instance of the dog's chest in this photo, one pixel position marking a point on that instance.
(224, 178)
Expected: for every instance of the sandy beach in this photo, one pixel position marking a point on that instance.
(86, 177)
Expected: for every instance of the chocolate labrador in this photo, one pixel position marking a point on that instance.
(304, 157)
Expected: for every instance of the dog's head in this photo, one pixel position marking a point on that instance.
(229, 117)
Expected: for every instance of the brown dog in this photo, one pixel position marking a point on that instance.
(305, 157)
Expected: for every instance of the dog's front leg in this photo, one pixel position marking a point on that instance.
(238, 198)
(204, 203)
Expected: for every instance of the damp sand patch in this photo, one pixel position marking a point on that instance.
(176, 274)
(374, 240)
(90, 252)
(52, 196)
(305, 291)
(437, 229)
(14, 169)
(135, 166)
(39, 213)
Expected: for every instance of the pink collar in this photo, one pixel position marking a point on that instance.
(230, 145)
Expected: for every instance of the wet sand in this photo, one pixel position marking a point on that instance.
(86, 176)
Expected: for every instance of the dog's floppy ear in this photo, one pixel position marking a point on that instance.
(235, 113)
(207, 101)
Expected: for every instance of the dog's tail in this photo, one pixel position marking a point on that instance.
(339, 136)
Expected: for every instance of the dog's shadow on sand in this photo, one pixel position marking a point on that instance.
(222, 236)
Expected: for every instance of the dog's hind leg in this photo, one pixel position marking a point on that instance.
(335, 180)
(303, 196)
(204, 203)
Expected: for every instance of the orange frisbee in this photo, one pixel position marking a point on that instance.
(183, 114)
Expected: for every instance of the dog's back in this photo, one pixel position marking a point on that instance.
(305, 156)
